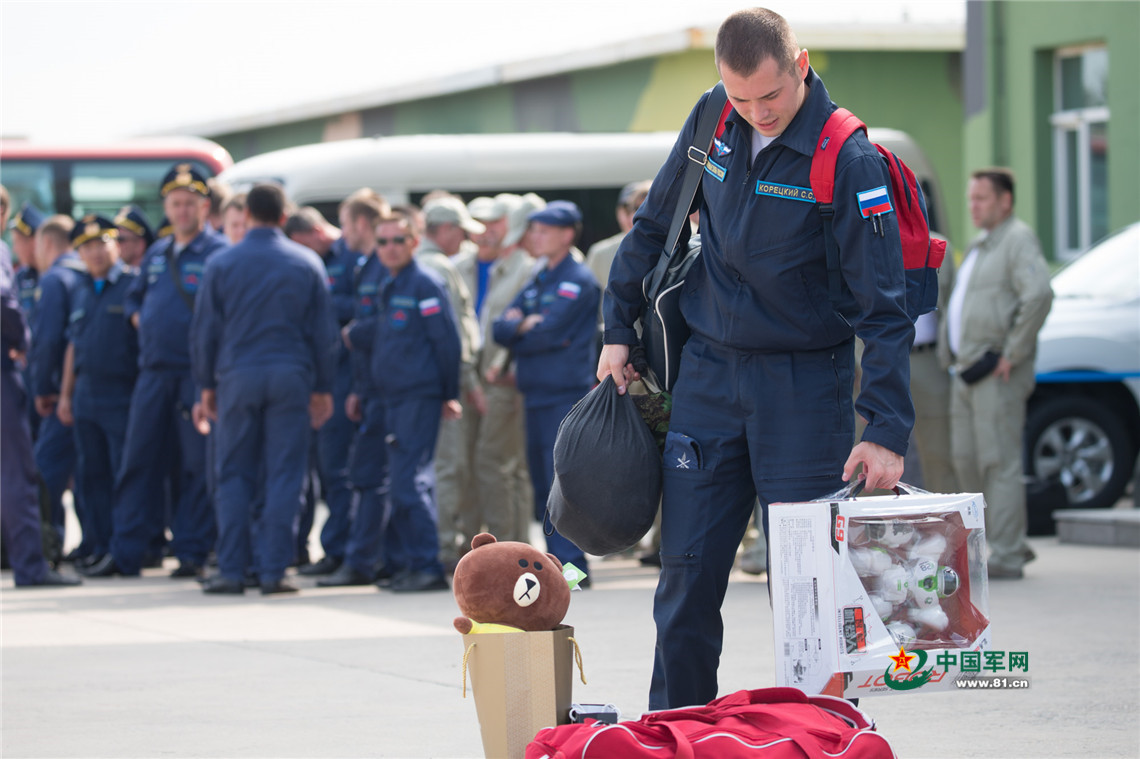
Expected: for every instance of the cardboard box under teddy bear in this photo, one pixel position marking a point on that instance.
(855, 580)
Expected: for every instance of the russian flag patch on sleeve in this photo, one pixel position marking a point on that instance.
(429, 307)
(874, 202)
(569, 290)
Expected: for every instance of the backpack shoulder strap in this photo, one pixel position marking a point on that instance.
(840, 125)
(711, 124)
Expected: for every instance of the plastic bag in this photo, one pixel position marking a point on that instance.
(607, 473)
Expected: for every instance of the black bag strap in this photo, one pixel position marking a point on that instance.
(698, 153)
(176, 275)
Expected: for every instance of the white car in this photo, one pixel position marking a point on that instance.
(1083, 423)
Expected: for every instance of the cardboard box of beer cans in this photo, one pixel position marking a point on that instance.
(869, 594)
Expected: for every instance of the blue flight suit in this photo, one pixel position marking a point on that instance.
(106, 366)
(264, 336)
(55, 444)
(334, 439)
(27, 283)
(415, 360)
(368, 455)
(19, 497)
(555, 369)
(762, 405)
(161, 404)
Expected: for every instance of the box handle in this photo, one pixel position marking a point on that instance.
(578, 660)
(855, 488)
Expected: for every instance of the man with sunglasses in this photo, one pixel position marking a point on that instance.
(415, 364)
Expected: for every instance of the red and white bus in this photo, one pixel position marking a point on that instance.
(76, 179)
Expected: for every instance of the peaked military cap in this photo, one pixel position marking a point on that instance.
(183, 176)
(133, 219)
(92, 227)
(27, 220)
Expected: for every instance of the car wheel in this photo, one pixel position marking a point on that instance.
(1083, 445)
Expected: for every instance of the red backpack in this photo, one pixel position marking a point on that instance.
(922, 254)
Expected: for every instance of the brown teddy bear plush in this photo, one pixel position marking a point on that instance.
(508, 587)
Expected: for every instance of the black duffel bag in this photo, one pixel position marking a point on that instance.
(607, 473)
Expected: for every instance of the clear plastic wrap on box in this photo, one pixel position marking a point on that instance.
(855, 580)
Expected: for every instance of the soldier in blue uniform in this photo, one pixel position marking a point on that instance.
(99, 374)
(415, 360)
(334, 439)
(160, 304)
(763, 403)
(27, 283)
(19, 503)
(552, 329)
(368, 457)
(264, 340)
(60, 279)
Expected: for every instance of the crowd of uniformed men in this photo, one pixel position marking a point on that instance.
(200, 388)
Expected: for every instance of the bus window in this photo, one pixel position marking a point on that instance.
(106, 186)
(31, 182)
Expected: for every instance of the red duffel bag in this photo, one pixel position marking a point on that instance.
(775, 723)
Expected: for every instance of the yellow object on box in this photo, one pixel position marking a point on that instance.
(478, 628)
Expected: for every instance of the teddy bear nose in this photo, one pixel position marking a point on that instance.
(526, 589)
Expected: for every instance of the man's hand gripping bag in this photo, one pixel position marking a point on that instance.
(607, 473)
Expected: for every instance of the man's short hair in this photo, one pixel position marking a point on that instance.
(1000, 177)
(368, 203)
(749, 37)
(400, 216)
(305, 219)
(220, 194)
(236, 202)
(58, 228)
(266, 203)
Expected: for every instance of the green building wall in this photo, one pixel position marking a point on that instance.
(1019, 40)
(917, 92)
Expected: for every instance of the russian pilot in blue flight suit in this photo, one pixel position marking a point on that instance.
(552, 329)
(368, 455)
(334, 439)
(264, 339)
(55, 445)
(160, 305)
(762, 405)
(99, 374)
(415, 364)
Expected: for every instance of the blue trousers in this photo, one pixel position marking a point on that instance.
(334, 444)
(744, 425)
(263, 426)
(368, 475)
(541, 431)
(55, 459)
(100, 436)
(413, 428)
(19, 492)
(160, 423)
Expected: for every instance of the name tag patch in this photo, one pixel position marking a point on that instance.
(715, 169)
(790, 192)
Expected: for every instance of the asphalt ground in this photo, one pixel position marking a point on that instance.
(151, 667)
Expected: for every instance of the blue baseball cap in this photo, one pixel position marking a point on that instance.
(557, 213)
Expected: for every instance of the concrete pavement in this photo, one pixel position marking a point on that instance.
(151, 667)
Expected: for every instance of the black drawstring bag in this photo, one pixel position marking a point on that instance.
(607, 473)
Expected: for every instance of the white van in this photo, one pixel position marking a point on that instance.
(589, 169)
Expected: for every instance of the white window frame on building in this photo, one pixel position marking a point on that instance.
(1080, 148)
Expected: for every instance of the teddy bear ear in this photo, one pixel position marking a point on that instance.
(482, 539)
(556, 562)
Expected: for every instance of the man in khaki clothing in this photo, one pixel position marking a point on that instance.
(495, 274)
(998, 305)
(447, 227)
